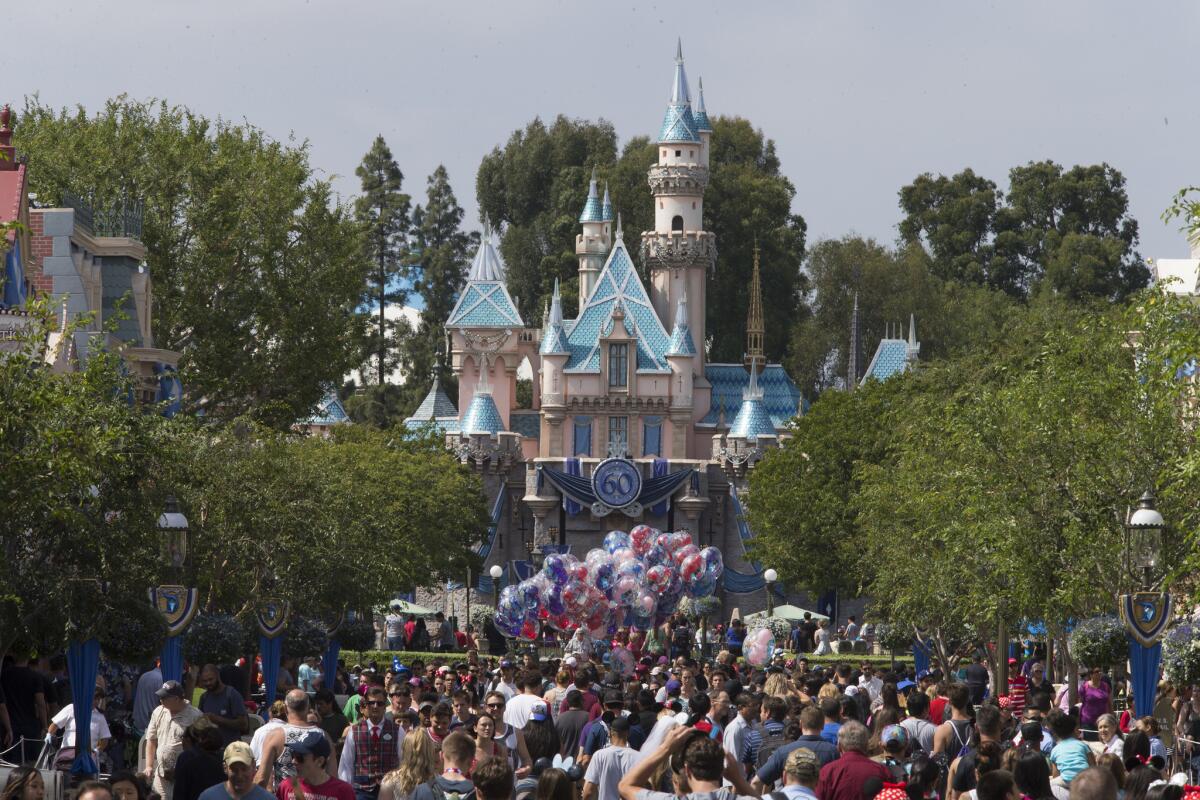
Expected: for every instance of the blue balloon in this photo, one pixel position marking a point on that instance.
(531, 593)
(555, 569)
(703, 586)
(615, 540)
(657, 555)
(554, 602)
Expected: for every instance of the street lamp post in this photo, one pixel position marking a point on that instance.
(770, 576)
(1147, 610)
(496, 571)
(177, 603)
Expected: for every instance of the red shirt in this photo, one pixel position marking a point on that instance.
(332, 789)
(843, 779)
(1018, 688)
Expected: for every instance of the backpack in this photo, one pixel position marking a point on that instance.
(525, 788)
(770, 743)
(440, 794)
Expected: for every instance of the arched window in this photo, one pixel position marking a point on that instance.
(677, 223)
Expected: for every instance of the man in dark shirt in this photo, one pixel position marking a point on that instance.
(977, 679)
(845, 778)
(25, 691)
(570, 724)
(222, 705)
(333, 721)
(811, 722)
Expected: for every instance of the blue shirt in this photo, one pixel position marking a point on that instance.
(772, 771)
(830, 731)
(1071, 758)
(219, 792)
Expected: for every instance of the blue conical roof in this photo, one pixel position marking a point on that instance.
(593, 209)
(554, 341)
(699, 114)
(606, 209)
(681, 335)
(485, 301)
(752, 419)
(678, 123)
(436, 404)
(482, 415)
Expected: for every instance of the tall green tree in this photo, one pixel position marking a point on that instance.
(535, 186)
(257, 270)
(383, 209)
(1064, 231)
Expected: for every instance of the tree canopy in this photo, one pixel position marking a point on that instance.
(257, 270)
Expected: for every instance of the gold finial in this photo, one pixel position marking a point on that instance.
(755, 327)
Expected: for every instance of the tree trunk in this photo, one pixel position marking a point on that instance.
(1001, 659)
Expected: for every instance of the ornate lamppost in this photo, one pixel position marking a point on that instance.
(496, 572)
(176, 603)
(1147, 611)
(770, 576)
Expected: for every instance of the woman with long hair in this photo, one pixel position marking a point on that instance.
(127, 786)
(418, 765)
(777, 685)
(486, 745)
(888, 698)
(24, 783)
(541, 739)
(554, 784)
(1032, 774)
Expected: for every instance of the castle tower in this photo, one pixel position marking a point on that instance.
(755, 326)
(680, 355)
(593, 244)
(555, 352)
(678, 253)
(703, 126)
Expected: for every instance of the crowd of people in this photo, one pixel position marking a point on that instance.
(574, 728)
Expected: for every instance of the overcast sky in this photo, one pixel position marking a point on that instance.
(860, 97)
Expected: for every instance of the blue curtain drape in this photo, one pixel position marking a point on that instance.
(1144, 661)
(271, 650)
(583, 437)
(329, 663)
(660, 468)
(574, 468)
(172, 659)
(827, 604)
(83, 663)
(652, 436)
(920, 656)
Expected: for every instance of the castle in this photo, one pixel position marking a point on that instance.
(627, 378)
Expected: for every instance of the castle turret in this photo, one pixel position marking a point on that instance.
(679, 252)
(755, 325)
(679, 355)
(703, 126)
(593, 244)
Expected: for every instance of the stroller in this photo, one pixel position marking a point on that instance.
(56, 780)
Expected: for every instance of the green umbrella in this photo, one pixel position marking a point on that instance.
(788, 612)
(405, 607)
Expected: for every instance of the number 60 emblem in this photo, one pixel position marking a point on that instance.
(616, 482)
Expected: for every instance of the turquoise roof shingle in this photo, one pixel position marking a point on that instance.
(435, 405)
(482, 415)
(678, 125)
(752, 420)
(781, 398)
(891, 357)
(329, 411)
(527, 423)
(618, 283)
(484, 304)
(681, 342)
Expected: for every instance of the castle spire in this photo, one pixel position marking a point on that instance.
(699, 114)
(678, 124)
(755, 327)
(682, 343)
(679, 85)
(554, 338)
(593, 211)
(606, 209)
(852, 361)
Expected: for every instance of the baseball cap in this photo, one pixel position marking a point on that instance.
(571, 661)
(904, 685)
(656, 671)
(614, 698)
(171, 689)
(239, 753)
(424, 704)
(506, 664)
(674, 687)
(923, 674)
(443, 669)
(312, 744)
(538, 713)
(1012, 662)
(802, 763)
(894, 737)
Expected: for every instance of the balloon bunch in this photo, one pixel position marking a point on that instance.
(635, 579)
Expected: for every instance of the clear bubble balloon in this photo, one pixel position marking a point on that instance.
(622, 662)
(645, 605)
(554, 603)
(703, 586)
(658, 577)
(656, 555)
(615, 540)
(642, 537)
(714, 564)
(555, 568)
(759, 646)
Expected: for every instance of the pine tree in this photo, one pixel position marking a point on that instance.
(445, 252)
(384, 209)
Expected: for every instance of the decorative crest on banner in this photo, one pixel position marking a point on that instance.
(333, 623)
(616, 484)
(272, 615)
(1146, 615)
(177, 604)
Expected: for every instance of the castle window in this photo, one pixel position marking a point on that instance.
(693, 205)
(691, 153)
(583, 437)
(618, 365)
(651, 436)
(677, 223)
(679, 154)
(664, 155)
(618, 436)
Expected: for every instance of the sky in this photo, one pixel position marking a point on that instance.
(859, 97)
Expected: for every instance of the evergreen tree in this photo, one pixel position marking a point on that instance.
(384, 209)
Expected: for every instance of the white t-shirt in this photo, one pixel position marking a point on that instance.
(64, 720)
(394, 626)
(607, 766)
(508, 690)
(518, 709)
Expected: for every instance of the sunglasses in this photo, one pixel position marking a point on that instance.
(376, 703)
(495, 705)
